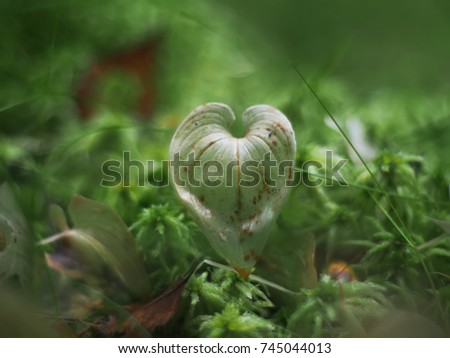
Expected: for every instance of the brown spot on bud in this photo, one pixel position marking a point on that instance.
(243, 272)
(253, 256)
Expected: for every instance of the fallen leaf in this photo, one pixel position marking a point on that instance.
(155, 313)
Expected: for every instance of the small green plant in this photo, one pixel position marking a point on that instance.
(165, 239)
(339, 309)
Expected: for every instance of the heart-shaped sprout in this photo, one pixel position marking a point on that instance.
(234, 187)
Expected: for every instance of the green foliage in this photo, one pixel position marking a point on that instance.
(394, 235)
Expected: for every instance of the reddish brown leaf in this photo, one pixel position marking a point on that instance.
(155, 313)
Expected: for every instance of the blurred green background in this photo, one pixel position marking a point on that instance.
(370, 46)
(82, 81)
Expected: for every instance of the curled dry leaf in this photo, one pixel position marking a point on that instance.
(235, 214)
(98, 238)
(156, 313)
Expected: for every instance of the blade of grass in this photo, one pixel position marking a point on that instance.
(347, 139)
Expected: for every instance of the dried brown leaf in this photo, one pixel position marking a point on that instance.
(155, 313)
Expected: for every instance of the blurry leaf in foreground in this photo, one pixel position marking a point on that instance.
(14, 239)
(99, 238)
(18, 319)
